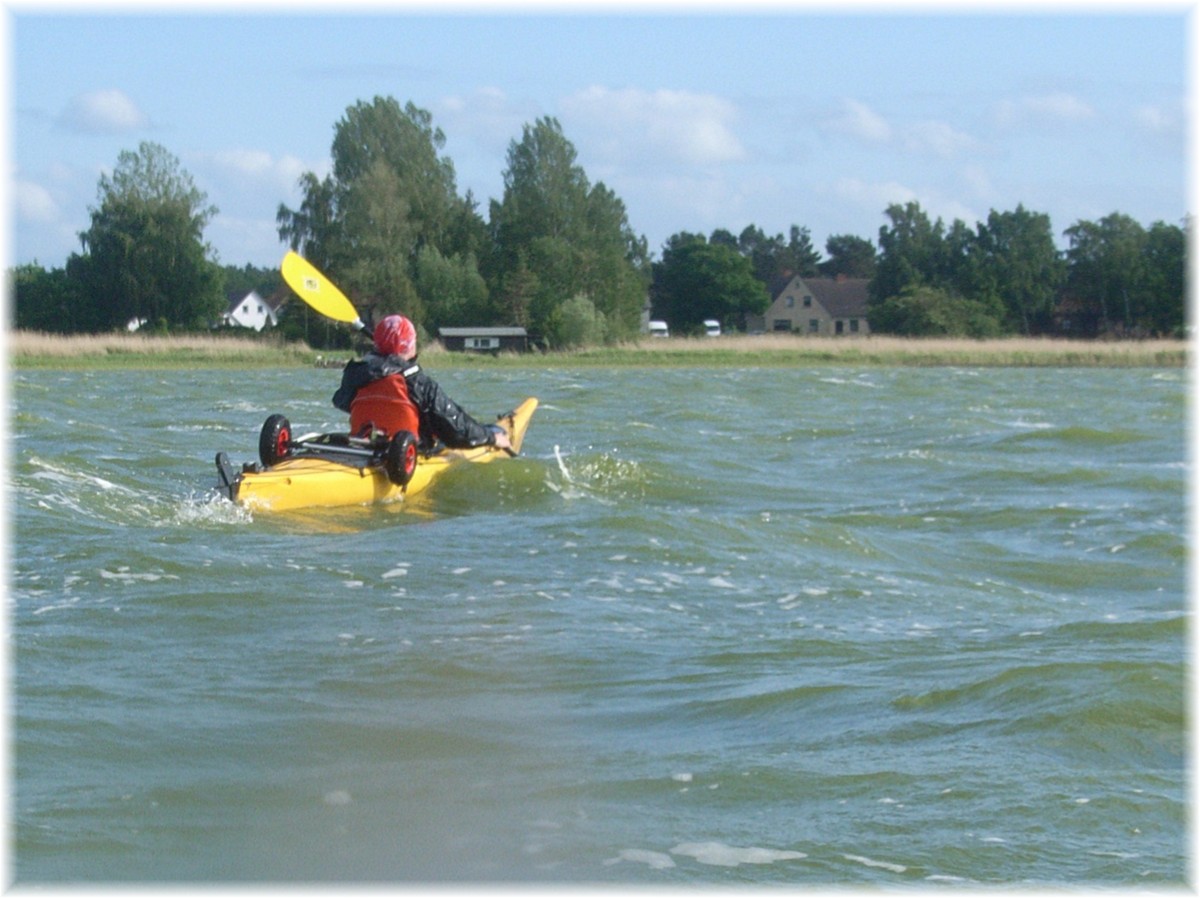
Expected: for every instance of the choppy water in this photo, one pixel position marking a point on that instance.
(827, 626)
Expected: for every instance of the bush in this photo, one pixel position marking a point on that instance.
(931, 312)
(577, 323)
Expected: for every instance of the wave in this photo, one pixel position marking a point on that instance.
(95, 496)
(1079, 436)
(1121, 711)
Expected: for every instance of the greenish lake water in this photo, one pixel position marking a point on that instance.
(828, 626)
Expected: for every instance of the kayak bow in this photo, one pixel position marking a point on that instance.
(325, 470)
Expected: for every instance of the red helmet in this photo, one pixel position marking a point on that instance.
(395, 335)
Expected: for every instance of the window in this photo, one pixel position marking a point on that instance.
(791, 302)
(482, 342)
(814, 325)
(839, 326)
(781, 324)
(854, 325)
(808, 302)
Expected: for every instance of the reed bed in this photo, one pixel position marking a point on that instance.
(788, 350)
(36, 349)
(29, 349)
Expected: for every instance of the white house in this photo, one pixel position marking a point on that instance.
(249, 310)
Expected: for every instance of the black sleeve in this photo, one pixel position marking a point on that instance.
(444, 417)
(354, 375)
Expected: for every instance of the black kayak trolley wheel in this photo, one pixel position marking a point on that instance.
(275, 440)
(400, 458)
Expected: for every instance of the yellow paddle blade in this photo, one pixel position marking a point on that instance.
(317, 290)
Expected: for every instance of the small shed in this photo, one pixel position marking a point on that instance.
(484, 339)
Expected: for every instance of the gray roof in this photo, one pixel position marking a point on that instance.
(841, 297)
(481, 332)
(235, 298)
(845, 298)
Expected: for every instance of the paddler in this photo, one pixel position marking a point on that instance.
(387, 391)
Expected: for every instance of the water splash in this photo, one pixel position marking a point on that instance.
(56, 488)
(210, 508)
(603, 478)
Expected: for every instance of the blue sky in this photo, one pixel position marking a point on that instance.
(788, 115)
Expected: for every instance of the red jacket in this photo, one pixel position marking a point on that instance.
(384, 405)
(440, 417)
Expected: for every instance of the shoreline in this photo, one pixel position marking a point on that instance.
(28, 350)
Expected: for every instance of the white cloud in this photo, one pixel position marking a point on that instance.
(978, 181)
(487, 117)
(34, 203)
(1159, 119)
(251, 163)
(1055, 108)
(860, 121)
(103, 112)
(256, 240)
(663, 203)
(255, 172)
(876, 197)
(937, 138)
(667, 126)
(257, 167)
(247, 186)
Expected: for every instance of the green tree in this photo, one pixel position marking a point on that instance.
(512, 300)
(771, 257)
(390, 195)
(853, 257)
(722, 237)
(1165, 253)
(1016, 262)
(1105, 268)
(556, 236)
(267, 281)
(545, 192)
(379, 264)
(1006, 271)
(911, 251)
(799, 254)
(144, 254)
(45, 300)
(697, 280)
(312, 230)
(458, 294)
(1126, 278)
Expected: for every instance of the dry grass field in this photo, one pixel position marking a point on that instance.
(786, 349)
(27, 349)
(32, 349)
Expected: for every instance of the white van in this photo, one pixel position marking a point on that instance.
(712, 328)
(659, 329)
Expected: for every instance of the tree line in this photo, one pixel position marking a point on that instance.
(556, 254)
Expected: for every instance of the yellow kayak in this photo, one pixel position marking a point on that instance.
(325, 470)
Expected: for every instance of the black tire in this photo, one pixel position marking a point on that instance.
(400, 458)
(275, 440)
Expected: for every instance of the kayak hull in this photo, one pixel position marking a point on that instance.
(320, 480)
